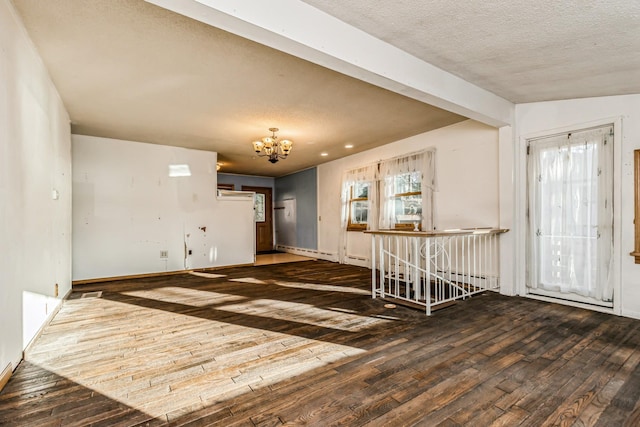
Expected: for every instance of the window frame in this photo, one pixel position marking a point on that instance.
(636, 207)
(357, 226)
(406, 226)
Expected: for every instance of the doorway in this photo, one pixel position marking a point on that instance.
(263, 217)
(570, 216)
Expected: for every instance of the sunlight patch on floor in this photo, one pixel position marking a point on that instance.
(186, 296)
(324, 288)
(251, 280)
(279, 258)
(161, 362)
(303, 313)
(207, 275)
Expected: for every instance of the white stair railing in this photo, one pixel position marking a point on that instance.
(429, 269)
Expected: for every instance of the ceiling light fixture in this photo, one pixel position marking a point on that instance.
(270, 147)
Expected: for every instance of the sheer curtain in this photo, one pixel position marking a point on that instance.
(423, 163)
(364, 174)
(570, 213)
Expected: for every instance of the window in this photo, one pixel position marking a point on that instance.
(407, 200)
(390, 194)
(406, 186)
(359, 198)
(358, 206)
(259, 207)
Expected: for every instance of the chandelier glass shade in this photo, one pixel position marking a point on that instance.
(270, 147)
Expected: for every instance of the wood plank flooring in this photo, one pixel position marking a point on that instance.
(303, 343)
(279, 258)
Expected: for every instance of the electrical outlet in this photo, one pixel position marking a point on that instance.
(164, 254)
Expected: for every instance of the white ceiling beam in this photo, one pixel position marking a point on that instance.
(299, 29)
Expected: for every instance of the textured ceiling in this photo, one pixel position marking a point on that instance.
(521, 50)
(130, 70)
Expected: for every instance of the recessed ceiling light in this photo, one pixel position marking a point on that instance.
(324, 154)
(348, 146)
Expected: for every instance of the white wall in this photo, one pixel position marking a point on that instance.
(35, 161)
(467, 174)
(544, 116)
(127, 209)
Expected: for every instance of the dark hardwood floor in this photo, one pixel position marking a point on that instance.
(303, 343)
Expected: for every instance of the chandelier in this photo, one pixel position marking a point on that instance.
(270, 147)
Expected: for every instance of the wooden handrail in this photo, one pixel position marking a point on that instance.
(452, 232)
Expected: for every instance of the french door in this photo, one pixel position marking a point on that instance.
(570, 215)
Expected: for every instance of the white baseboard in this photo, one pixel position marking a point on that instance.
(631, 313)
(327, 256)
(357, 260)
(571, 303)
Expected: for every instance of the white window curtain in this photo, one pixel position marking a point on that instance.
(422, 162)
(570, 213)
(364, 174)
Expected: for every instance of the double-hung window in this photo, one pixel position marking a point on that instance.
(358, 206)
(407, 185)
(392, 194)
(406, 199)
(359, 198)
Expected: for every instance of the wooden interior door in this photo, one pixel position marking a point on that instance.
(264, 218)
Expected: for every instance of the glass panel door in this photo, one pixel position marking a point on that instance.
(259, 207)
(570, 215)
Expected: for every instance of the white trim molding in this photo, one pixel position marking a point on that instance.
(327, 256)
